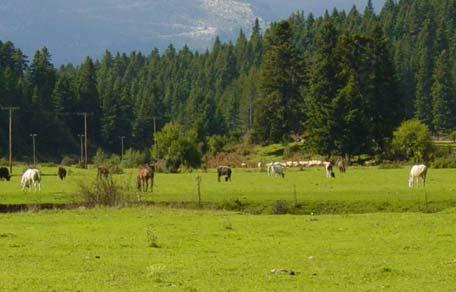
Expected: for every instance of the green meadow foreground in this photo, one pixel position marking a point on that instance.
(360, 189)
(156, 248)
(110, 249)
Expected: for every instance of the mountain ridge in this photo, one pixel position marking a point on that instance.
(73, 30)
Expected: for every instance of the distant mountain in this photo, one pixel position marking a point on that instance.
(74, 29)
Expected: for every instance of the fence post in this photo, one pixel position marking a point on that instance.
(425, 198)
(295, 195)
(198, 189)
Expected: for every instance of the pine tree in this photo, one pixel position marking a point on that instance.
(42, 74)
(443, 96)
(322, 90)
(423, 102)
(279, 111)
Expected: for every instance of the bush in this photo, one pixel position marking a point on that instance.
(114, 164)
(412, 140)
(444, 162)
(104, 192)
(152, 238)
(452, 136)
(132, 158)
(280, 207)
(100, 157)
(177, 149)
(69, 160)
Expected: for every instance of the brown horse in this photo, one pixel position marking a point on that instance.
(145, 173)
(341, 166)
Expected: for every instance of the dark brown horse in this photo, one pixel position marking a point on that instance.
(61, 172)
(145, 173)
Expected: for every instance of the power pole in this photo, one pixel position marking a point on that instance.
(84, 115)
(10, 109)
(81, 136)
(85, 139)
(33, 135)
(122, 147)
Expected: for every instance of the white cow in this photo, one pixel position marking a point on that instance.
(329, 169)
(416, 172)
(31, 179)
(276, 169)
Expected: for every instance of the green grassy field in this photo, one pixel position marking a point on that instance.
(358, 187)
(108, 250)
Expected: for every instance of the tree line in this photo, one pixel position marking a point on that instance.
(342, 82)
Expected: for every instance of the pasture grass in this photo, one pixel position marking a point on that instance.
(154, 249)
(359, 190)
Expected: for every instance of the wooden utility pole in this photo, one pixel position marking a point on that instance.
(85, 139)
(81, 136)
(122, 147)
(10, 109)
(33, 135)
(84, 115)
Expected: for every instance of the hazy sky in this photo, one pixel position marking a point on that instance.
(74, 29)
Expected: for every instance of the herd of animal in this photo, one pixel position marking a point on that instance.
(31, 177)
(278, 169)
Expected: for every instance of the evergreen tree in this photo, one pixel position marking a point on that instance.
(322, 90)
(423, 102)
(443, 96)
(279, 112)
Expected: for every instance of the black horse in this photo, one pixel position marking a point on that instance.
(4, 174)
(224, 171)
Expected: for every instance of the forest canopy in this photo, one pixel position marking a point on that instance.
(344, 81)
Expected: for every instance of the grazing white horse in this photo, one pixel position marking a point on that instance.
(260, 165)
(416, 172)
(329, 169)
(31, 179)
(276, 169)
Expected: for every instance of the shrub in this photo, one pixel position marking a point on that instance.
(103, 192)
(114, 164)
(100, 157)
(152, 238)
(444, 162)
(69, 160)
(177, 149)
(132, 158)
(412, 140)
(280, 207)
(452, 136)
